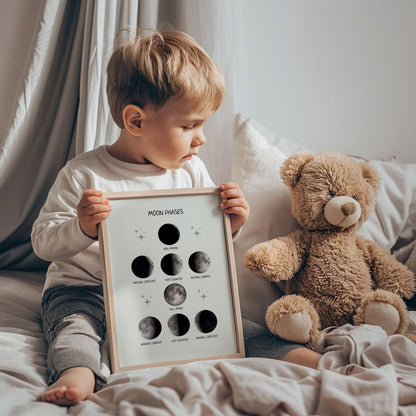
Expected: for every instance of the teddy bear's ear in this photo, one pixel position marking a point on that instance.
(370, 175)
(291, 169)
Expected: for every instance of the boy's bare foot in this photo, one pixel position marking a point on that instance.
(73, 385)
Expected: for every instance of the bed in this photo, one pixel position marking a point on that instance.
(362, 372)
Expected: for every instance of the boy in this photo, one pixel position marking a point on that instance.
(161, 90)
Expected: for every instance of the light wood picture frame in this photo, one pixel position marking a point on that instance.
(169, 279)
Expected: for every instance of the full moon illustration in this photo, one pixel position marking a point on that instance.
(206, 321)
(171, 264)
(169, 234)
(175, 294)
(199, 262)
(142, 266)
(178, 324)
(150, 327)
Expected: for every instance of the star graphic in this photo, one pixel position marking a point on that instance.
(140, 234)
(203, 294)
(196, 229)
(146, 299)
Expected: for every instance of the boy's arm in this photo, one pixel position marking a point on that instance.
(57, 233)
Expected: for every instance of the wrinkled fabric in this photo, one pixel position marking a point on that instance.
(363, 372)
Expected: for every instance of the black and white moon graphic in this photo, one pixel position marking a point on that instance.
(178, 324)
(199, 262)
(142, 266)
(171, 264)
(206, 321)
(150, 327)
(175, 294)
(169, 234)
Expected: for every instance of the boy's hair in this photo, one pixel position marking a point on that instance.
(152, 69)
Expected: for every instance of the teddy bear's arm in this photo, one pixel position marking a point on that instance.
(277, 259)
(387, 272)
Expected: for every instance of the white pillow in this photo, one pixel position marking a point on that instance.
(256, 166)
(258, 157)
(393, 222)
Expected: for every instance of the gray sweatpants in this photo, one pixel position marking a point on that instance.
(260, 342)
(73, 321)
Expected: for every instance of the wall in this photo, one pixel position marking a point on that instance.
(335, 75)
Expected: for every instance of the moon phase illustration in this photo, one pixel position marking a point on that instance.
(150, 327)
(199, 262)
(169, 234)
(175, 294)
(206, 321)
(171, 264)
(178, 324)
(142, 266)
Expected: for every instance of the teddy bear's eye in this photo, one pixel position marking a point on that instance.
(355, 197)
(332, 193)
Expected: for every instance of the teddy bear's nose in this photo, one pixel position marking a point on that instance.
(342, 211)
(348, 208)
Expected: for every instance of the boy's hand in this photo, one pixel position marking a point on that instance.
(234, 204)
(92, 209)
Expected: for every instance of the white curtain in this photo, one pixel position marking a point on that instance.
(62, 108)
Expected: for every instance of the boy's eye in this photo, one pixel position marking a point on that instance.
(187, 127)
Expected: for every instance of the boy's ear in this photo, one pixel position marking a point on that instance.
(132, 118)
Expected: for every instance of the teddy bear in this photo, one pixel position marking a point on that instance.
(332, 275)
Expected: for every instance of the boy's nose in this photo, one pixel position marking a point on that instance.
(199, 139)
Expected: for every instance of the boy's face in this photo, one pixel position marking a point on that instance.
(172, 134)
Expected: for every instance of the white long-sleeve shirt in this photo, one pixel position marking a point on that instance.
(57, 235)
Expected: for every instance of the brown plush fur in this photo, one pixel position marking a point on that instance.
(328, 264)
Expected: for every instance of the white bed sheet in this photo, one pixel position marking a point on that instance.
(363, 372)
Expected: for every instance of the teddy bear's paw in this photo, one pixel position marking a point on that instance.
(271, 259)
(384, 315)
(258, 261)
(293, 318)
(384, 309)
(294, 327)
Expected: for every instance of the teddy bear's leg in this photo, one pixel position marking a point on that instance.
(385, 309)
(293, 318)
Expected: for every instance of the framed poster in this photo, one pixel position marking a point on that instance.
(169, 279)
